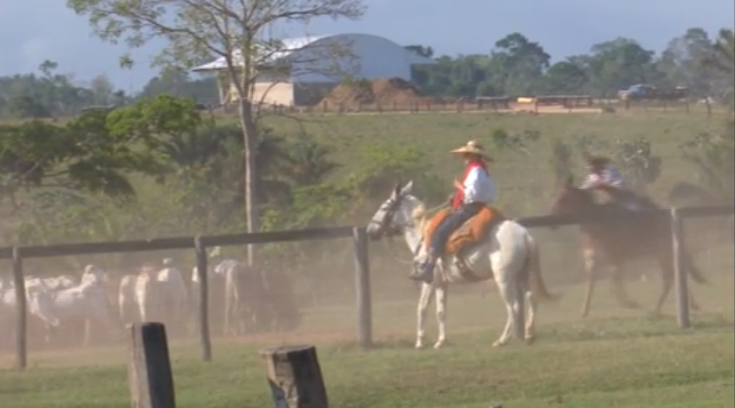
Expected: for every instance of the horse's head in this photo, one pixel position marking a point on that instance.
(394, 214)
(571, 199)
(92, 273)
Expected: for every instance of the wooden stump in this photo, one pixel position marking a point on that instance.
(149, 368)
(295, 377)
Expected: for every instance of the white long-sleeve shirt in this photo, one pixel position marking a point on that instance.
(609, 175)
(478, 187)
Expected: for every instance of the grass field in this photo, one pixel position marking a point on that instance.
(617, 358)
(525, 182)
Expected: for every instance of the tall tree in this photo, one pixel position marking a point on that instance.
(521, 62)
(682, 62)
(722, 62)
(618, 64)
(234, 30)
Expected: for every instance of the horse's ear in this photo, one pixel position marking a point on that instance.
(407, 188)
(397, 190)
(570, 181)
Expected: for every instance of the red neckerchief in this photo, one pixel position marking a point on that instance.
(459, 196)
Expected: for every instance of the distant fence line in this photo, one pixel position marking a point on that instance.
(362, 269)
(536, 104)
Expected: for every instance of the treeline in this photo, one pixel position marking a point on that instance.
(516, 65)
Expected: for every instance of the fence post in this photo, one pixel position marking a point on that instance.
(203, 305)
(680, 271)
(295, 377)
(21, 317)
(149, 367)
(362, 288)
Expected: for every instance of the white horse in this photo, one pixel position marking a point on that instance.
(509, 256)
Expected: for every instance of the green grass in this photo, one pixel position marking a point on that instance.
(616, 358)
(526, 183)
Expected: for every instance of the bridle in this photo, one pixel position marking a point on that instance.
(388, 229)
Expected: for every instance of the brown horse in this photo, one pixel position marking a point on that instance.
(615, 244)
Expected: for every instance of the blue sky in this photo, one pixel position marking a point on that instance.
(30, 34)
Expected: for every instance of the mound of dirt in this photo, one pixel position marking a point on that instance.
(384, 91)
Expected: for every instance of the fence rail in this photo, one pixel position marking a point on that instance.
(537, 104)
(362, 270)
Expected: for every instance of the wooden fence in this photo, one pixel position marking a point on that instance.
(500, 104)
(199, 244)
(362, 269)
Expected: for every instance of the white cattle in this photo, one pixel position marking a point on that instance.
(86, 300)
(172, 294)
(216, 288)
(126, 300)
(145, 297)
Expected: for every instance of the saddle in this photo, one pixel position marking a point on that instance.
(471, 232)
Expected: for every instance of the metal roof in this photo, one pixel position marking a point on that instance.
(294, 44)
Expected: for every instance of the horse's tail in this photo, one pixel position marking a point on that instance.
(533, 273)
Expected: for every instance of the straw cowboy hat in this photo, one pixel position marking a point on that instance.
(596, 160)
(472, 147)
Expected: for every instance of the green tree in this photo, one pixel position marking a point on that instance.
(520, 62)
(233, 31)
(618, 64)
(682, 62)
(175, 81)
(565, 77)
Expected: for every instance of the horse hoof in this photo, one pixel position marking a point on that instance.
(438, 345)
(419, 346)
(499, 343)
(529, 340)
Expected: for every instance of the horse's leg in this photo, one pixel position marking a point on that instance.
(590, 267)
(618, 288)
(442, 290)
(667, 280)
(427, 293)
(509, 294)
(530, 332)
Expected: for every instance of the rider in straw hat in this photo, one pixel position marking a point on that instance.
(603, 174)
(475, 190)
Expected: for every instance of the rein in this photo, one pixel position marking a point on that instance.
(414, 251)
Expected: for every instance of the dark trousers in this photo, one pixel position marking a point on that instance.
(449, 225)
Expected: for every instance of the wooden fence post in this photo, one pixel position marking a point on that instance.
(295, 377)
(149, 367)
(203, 306)
(680, 271)
(362, 288)
(21, 317)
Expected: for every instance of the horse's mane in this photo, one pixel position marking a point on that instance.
(419, 214)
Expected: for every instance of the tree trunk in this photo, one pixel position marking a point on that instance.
(249, 133)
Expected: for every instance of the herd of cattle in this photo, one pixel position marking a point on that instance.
(241, 300)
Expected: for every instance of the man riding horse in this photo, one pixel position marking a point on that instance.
(603, 176)
(475, 191)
